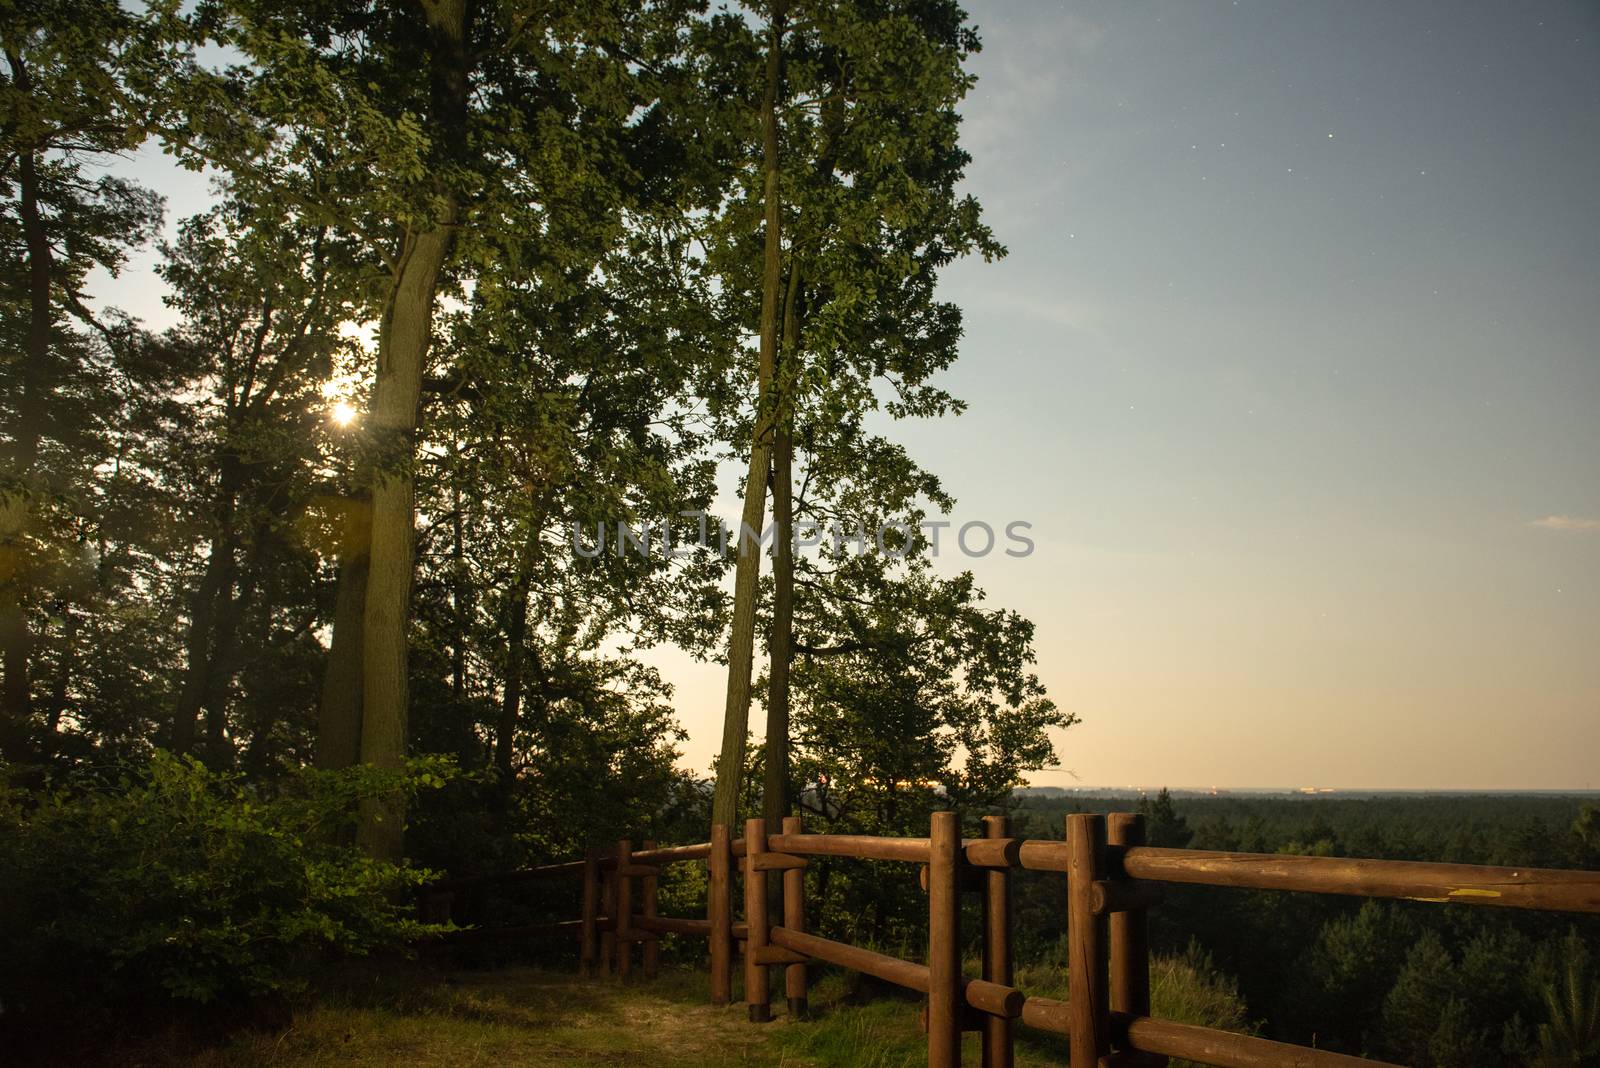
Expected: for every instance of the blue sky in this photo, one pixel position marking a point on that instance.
(1293, 366)
(1297, 343)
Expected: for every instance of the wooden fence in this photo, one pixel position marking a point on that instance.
(1113, 878)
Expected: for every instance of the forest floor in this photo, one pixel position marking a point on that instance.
(424, 1018)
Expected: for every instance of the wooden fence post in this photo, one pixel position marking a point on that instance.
(1130, 942)
(794, 918)
(998, 1049)
(608, 908)
(1090, 1037)
(624, 909)
(650, 906)
(719, 911)
(757, 982)
(590, 946)
(944, 942)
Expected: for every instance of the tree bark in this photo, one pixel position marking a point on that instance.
(747, 568)
(16, 644)
(338, 742)
(225, 659)
(63, 677)
(402, 346)
(775, 800)
(206, 604)
(505, 735)
(403, 337)
(16, 639)
(215, 584)
(460, 592)
(33, 412)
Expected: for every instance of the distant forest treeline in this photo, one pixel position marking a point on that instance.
(1415, 983)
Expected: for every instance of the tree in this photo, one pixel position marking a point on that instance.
(566, 408)
(747, 570)
(68, 102)
(862, 156)
(516, 125)
(1342, 978)
(913, 690)
(264, 297)
(1570, 1034)
(1164, 826)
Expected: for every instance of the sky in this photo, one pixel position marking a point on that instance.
(1293, 367)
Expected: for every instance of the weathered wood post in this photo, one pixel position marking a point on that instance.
(944, 942)
(719, 911)
(757, 985)
(1087, 983)
(794, 918)
(1130, 942)
(998, 1049)
(649, 907)
(589, 948)
(608, 909)
(624, 908)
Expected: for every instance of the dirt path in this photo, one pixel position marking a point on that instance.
(512, 1017)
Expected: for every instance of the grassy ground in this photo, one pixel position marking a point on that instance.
(528, 1016)
(433, 1018)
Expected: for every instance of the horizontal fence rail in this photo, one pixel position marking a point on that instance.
(1112, 880)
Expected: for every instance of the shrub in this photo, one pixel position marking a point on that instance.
(180, 884)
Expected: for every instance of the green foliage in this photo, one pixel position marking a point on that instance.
(66, 109)
(912, 695)
(1343, 976)
(1571, 1034)
(176, 883)
(1190, 989)
(1164, 826)
(1415, 983)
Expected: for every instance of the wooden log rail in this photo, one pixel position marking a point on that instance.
(1112, 880)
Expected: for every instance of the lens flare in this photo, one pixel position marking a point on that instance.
(343, 413)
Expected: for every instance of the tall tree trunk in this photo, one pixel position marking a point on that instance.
(225, 659)
(338, 742)
(747, 568)
(215, 584)
(402, 345)
(63, 678)
(459, 592)
(215, 588)
(403, 337)
(16, 640)
(34, 409)
(16, 644)
(505, 735)
(775, 800)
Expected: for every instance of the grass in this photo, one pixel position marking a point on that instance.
(433, 1018)
(427, 1018)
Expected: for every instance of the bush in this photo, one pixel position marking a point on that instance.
(177, 884)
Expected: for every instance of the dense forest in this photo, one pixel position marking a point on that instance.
(1408, 982)
(350, 578)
